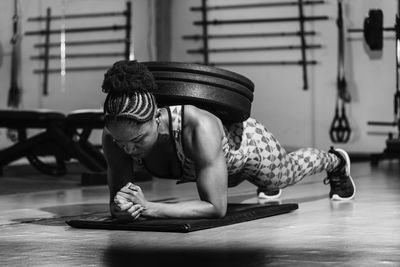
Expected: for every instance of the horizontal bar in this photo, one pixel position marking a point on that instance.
(79, 16)
(380, 133)
(382, 123)
(77, 43)
(79, 55)
(362, 30)
(254, 5)
(262, 63)
(252, 49)
(247, 35)
(266, 20)
(75, 30)
(72, 69)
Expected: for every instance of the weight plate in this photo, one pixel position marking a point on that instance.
(218, 83)
(200, 69)
(229, 106)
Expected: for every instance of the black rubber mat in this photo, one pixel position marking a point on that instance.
(236, 213)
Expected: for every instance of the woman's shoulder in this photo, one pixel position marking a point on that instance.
(201, 121)
(194, 114)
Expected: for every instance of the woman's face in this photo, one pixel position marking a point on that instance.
(136, 139)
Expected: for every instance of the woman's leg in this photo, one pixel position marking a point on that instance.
(270, 166)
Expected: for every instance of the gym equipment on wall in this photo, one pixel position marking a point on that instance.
(340, 130)
(46, 56)
(255, 5)
(205, 23)
(252, 49)
(14, 94)
(263, 63)
(264, 20)
(373, 29)
(226, 94)
(246, 35)
(392, 149)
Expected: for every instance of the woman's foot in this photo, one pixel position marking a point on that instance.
(342, 185)
(268, 194)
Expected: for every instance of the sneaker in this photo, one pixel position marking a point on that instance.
(268, 194)
(342, 185)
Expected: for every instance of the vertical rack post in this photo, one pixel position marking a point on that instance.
(303, 45)
(128, 14)
(205, 31)
(397, 47)
(46, 52)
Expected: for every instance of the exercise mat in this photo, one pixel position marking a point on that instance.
(236, 213)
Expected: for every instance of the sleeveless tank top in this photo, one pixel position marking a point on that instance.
(237, 144)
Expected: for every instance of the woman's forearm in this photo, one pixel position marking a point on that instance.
(186, 209)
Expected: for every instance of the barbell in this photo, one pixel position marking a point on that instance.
(226, 94)
(373, 29)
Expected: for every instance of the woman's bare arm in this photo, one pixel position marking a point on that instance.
(202, 139)
(119, 170)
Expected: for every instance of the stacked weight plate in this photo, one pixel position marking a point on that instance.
(226, 94)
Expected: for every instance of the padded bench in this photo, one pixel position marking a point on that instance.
(63, 136)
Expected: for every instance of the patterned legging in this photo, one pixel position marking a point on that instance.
(268, 165)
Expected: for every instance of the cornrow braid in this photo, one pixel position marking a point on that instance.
(128, 85)
(139, 106)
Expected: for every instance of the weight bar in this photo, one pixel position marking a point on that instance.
(78, 43)
(303, 44)
(252, 49)
(71, 69)
(373, 29)
(78, 55)
(79, 16)
(383, 123)
(246, 35)
(380, 133)
(76, 30)
(271, 4)
(204, 28)
(266, 20)
(262, 63)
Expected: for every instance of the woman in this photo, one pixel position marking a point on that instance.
(191, 144)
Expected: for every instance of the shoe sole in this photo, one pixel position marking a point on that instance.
(347, 158)
(262, 195)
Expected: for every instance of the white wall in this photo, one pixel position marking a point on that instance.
(298, 117)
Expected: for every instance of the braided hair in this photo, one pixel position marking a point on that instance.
(129, 86)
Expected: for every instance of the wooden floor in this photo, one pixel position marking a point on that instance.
(363, 232)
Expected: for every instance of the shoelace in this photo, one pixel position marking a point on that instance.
(333, 179)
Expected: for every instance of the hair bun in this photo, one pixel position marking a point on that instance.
(128, 77)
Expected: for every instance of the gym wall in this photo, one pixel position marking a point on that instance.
(297, 117)
(82, 89)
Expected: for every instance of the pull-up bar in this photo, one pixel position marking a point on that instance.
(80, 16)
(247, 35)
(79, 55)
(75, 30)
(256, 5)
(79, 43)
(253, 49)
(266, 20)
(263, 63)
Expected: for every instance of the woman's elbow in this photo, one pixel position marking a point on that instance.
(219, 212)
